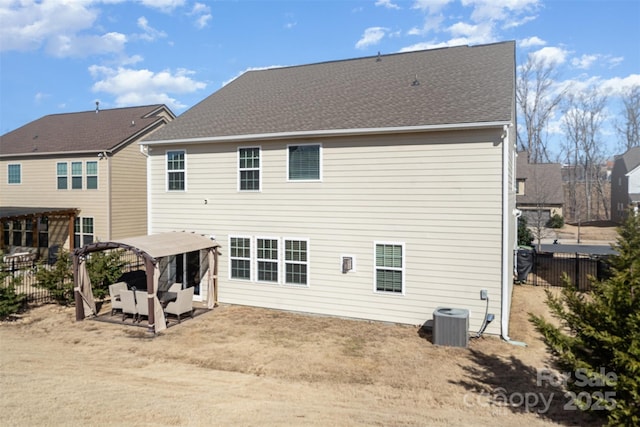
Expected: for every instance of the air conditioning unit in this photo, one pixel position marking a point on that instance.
(451, 327)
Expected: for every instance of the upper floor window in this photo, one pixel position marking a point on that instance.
(389, 269)
(249, 168)
(62, 175)
(304, 162)
(175, 170)
(92, 175)
(14, 174)
(76, 175)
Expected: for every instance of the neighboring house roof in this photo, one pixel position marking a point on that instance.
(83, 132)
(630, 159)
(452, 85)
(543, 182)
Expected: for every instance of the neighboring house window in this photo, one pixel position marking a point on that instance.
(14, 174)
(249, 168)
(43, 232)
(92, 175)
(76, 175)
(520, 186)
(267, 260)
(296, 261)
(240, 253)
(83, 234)
(62, 175)
(7, 233)
(389, 267)
(304, 162)
(17, 233)
(175, 170)
(28, 232)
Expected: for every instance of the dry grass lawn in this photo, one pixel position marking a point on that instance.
(257, 367)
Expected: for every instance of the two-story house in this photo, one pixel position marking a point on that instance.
(625, 184)
(539, 190)
(69, 179)
(376, 188)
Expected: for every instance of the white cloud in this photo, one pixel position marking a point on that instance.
(166, 6)
(550, 55)
(150, 33)
(387, 4)
(202, 13)
(585, 61)
(134, 87)
(79, 46)
(505, 10)
(431, 6)
(531, 42)
(371, 36)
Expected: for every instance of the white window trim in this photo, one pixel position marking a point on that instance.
(279, 261)
(251, 258)
(75, 176)
(82, 232)
(307, 263)
(8, 167)
(87, 175)
(259, 168)
(320, 163)
(402, 269)
(166, 171)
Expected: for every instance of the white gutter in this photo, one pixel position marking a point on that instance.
(144, 152)
(327, 132)
(506, 218)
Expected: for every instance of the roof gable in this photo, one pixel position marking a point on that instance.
(87, 131)
(430, 87)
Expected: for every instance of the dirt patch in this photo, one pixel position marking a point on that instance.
(248, 366)
(603, 231)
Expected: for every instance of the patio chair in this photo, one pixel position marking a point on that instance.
(182, 305)
(142, 304)
(114, 293)
(128, 304)
(175, 287)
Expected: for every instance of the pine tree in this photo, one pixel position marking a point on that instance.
(598, 341)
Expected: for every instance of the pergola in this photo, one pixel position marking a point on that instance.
(151, 249)
(17, 213)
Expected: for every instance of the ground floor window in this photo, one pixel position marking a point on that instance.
(269, 260)
(389, 267)
(83, 232)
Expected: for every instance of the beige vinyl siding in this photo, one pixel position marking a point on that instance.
(39, 189)
(128, 193)
(439, 194)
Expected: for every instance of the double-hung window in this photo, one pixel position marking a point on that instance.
(240, 253)
(62, 175)
(92, 175)
(267, 257)
(14, 174)
(83, 231)
(76, 175)
(249, 169)
(304, 162)
(389, 268)
(296, 262)
(176, 170)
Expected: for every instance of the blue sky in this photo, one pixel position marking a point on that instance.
(62, 56)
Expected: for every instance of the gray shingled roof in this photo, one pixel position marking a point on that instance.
(543, 182)
(456, 85)
(86, 131)
(631, 158)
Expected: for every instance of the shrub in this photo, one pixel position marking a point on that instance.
(10, 301)
(600, 334)
(57, 279)
(525, 237)
(555, 221)
(104, 268)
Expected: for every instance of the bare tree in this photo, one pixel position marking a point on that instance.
(583, 118)
(629, 127)
(537, 104)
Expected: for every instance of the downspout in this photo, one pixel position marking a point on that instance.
(507, 275)
(144, 149)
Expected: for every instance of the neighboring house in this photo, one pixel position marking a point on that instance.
(376, 188)
(625, 184)
(539, 190)
(69, 179)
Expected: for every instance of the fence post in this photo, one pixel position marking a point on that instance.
(577, 271)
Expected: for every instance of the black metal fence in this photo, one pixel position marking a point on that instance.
(548, 269)
(22, 274)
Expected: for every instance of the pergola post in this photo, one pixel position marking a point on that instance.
(150, 270)
(76, 290)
